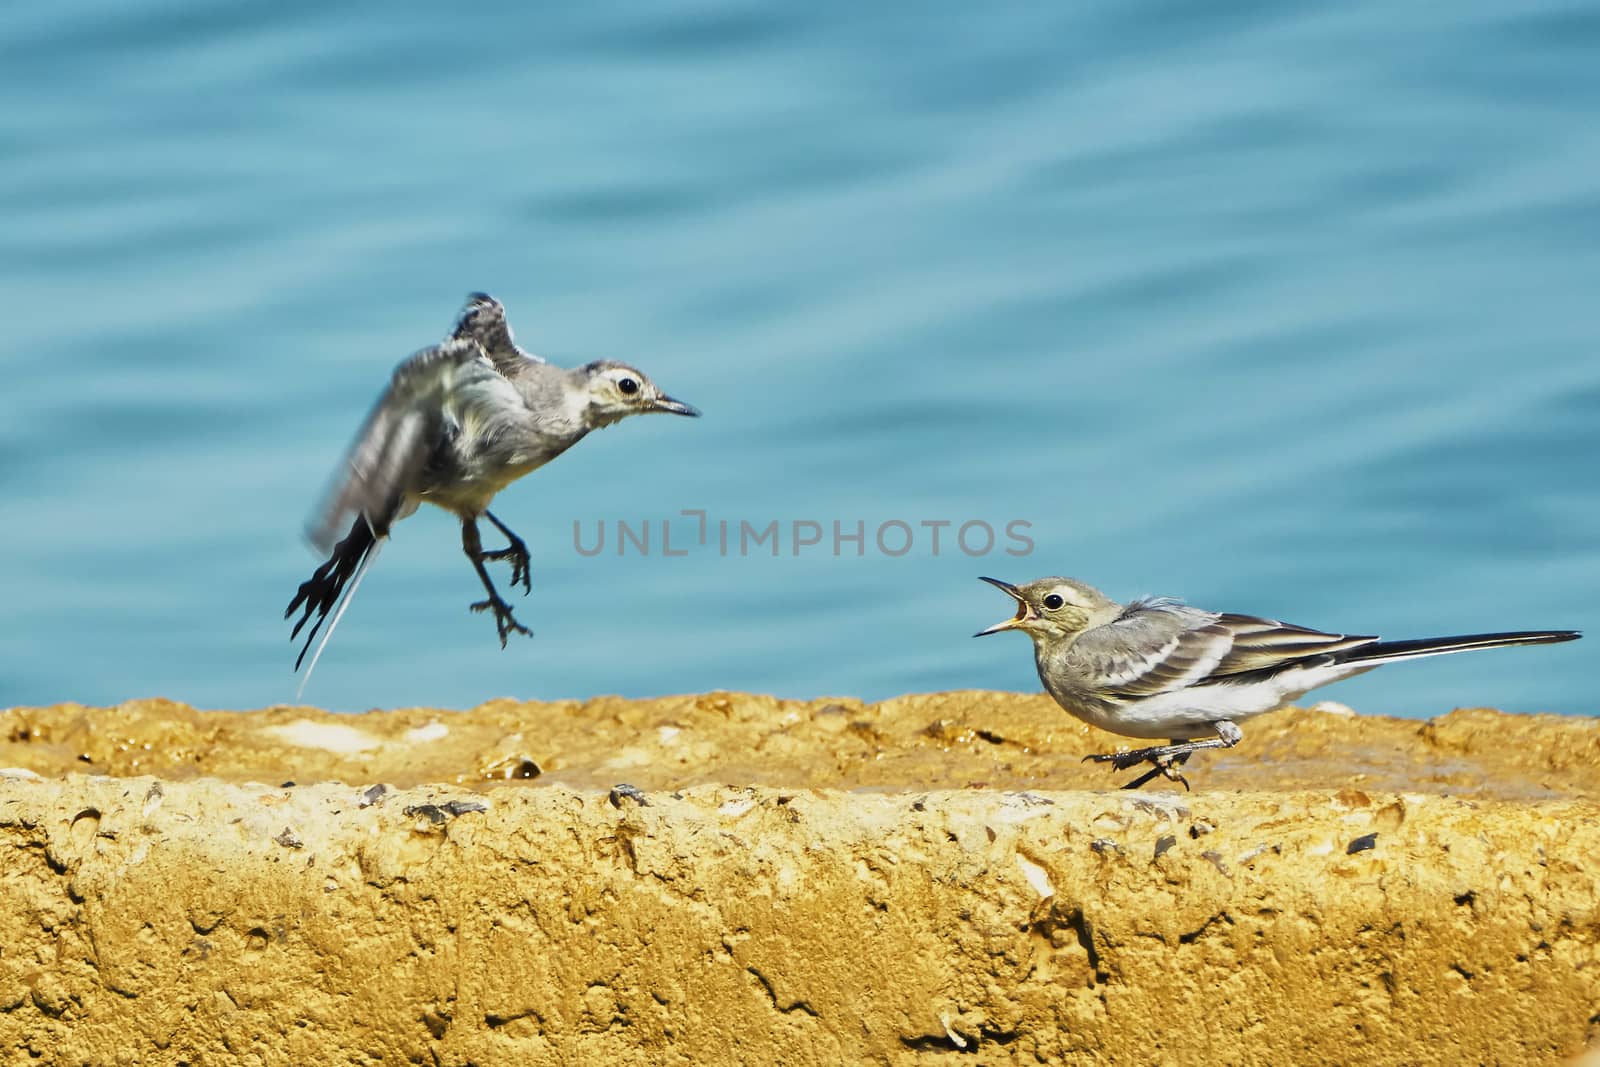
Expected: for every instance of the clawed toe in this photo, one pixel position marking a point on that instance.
(504, 622)
(1119, 760)
(1167, 767)
(1162, 764)
(521, 571)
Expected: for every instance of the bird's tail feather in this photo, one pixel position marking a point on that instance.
(330, 587)
(1391, 651)
(338, 613)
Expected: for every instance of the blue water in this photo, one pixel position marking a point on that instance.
(1285, 309)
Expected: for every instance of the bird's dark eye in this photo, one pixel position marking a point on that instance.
(1053, 601)
(628, 386)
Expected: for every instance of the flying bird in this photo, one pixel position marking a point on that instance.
(459, 422)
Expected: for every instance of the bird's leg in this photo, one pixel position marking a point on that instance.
(516, 552)
(1168, 758)
(504, 621)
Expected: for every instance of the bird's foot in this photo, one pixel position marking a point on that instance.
(1167, 767)
(1163, 760)
(505, 622)
(1129, 757)
(516, 551)
(517, 554)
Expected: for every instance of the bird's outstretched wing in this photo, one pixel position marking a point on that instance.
(404, 428)
(484, 320)
(1161, 646)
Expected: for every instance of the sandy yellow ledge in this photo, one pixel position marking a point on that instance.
(933, 879)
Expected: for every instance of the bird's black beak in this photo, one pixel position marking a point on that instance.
(1024, 613)
(675, 407)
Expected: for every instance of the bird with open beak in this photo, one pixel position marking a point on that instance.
(1157, 668)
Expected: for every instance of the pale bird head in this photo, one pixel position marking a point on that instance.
(616, 390)
(1053, 609)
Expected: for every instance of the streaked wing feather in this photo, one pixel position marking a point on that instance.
(1188, 658)
(1259, 644)
(396, 440)
(1161, 647)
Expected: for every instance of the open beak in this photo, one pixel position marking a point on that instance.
(675, 407)
(1024, 613)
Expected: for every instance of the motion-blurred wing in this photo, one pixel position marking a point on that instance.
(394, 444)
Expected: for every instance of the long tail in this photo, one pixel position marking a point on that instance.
(1391, 651)
(329, 589)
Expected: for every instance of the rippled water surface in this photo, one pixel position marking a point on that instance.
(1284, 310)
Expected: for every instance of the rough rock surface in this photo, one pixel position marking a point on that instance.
(934, 879)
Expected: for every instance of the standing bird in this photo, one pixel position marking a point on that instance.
(1156, 668)
(459, 422)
